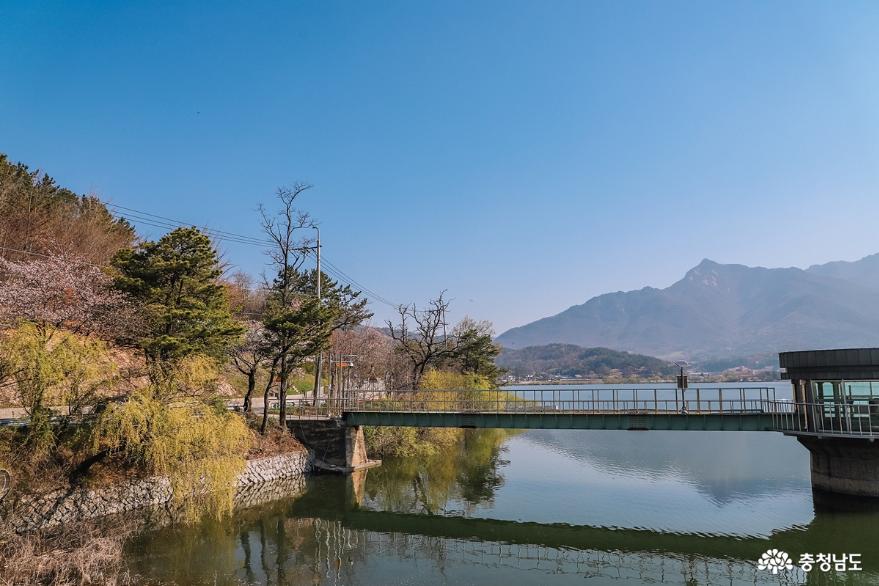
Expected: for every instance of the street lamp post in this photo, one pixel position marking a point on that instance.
(682, 384)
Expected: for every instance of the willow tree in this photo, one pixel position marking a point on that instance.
(198, 445)
(54, 310)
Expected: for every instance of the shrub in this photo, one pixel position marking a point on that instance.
(190, 438)
(53, 367)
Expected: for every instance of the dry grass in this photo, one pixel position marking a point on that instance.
(77, 554)
(276, 441)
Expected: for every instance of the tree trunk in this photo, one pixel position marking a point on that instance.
(282, 393)
(251, 385)
(317, 375)
(265, 403)
(417, 374)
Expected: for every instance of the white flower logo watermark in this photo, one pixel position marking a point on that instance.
(774, 560)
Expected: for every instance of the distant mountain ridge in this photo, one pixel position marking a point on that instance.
(568, 360)
(719, 310)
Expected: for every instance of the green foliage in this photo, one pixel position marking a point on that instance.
(295, 326)
(298, 329)
(475, 351)
(345, 307)
(412, 442)
(177, 281)
(53, 367)
(195, 442)
(409, 442)
(444, 379)
(464, 467)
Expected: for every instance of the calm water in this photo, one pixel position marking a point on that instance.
(537, 507)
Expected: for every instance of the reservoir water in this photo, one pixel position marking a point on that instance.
(538, 507)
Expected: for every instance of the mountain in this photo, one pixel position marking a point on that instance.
(568, 360)
(864, 272)
(720, 310)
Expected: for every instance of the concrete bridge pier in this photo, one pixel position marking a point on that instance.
(337, 447)
(848, 466)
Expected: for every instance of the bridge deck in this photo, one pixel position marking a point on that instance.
(703, 409)
(566, 420)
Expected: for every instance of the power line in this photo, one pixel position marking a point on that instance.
(346, 277)
(164, 222)
(41, 255)
(339, 275)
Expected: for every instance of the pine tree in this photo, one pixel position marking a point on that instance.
(176, 279)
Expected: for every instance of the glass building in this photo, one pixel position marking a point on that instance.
(835, 391)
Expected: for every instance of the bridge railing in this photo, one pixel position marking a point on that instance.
(716, 401)
(850, 419)
(844, 419)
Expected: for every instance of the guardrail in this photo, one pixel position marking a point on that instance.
(704, 400)
(847, 419)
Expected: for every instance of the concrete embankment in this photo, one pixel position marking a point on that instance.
(262, 480)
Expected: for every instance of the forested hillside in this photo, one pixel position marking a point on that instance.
(38, 216)
(568, 360)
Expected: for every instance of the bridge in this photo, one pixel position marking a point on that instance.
(839, 429)
(699, 409)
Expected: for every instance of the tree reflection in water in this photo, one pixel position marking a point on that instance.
(409, 522)
(275, 549)
(467, 473)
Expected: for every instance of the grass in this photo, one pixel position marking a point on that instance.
(84, 553)
(303, 382)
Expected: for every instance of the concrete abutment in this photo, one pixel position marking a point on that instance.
(337, 446)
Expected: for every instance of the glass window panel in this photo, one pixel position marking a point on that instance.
(824, 394)
(856, 390)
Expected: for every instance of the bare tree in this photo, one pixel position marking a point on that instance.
(376, 362)
(37, 216)
(246, 300)
(248, 304)
(421, 336)
(249, 356)
(288, 252)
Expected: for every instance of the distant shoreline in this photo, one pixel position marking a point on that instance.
(575, 382)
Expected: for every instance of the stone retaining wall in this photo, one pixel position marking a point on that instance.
(60, 507)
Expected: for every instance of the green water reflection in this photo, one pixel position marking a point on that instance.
(635, 508)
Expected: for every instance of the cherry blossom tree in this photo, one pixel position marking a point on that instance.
(62, 291)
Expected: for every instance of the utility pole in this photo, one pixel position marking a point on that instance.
(320, 353)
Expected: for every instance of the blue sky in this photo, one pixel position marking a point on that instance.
(523, 155)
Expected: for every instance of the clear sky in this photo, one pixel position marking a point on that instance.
(523, 155)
